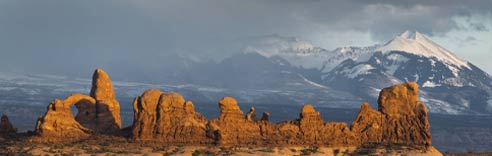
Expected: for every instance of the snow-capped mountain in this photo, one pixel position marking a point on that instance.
(303, 54)
(290, 71)
(449, 84)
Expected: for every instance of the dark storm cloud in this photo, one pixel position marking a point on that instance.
(384, 19)
(71, 36)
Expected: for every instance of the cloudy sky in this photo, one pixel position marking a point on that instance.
(69, 36)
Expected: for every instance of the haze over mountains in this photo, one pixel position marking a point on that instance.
(289, 71)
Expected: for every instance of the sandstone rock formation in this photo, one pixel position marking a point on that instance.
(108, 108)
(368, 125)
(265, 116)
(167, 118)
(6, 127)
(401, 118)
(251, 116)
(231, 128)
(59, 124)
(406, 117)
(99, 112)
(315, 131)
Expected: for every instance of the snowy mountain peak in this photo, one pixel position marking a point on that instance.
(416, 43)
(411, 35)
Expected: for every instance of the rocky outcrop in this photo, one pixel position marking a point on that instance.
(6, 127)
(231, 128)
(251, 116)
(167, 118)
(265, 116)
(108, 108)
(315, 131)
(401, 118)
(310, 129)
(98, 113)
(59, 123)
(405, 117)
(367, 126)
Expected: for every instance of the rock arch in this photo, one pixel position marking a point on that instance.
(99, 113)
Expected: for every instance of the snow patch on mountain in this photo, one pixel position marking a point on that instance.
(313, 83)
(397, 60)
(430, 84)
(361, 69)
(439, 106)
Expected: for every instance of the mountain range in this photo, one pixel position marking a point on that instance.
(278, 70)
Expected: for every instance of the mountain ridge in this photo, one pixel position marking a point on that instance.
(449, 81)
(347, 76)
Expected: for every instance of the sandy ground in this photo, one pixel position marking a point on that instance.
(45, 150)
(103, 145)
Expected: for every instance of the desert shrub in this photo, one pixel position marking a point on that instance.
(310, 150)
(336, 151)
(202, 153)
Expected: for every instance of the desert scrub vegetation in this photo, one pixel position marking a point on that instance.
(202, 153)
(310, 150)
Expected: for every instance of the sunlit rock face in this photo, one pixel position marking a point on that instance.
(59, 123)
(108, 108)
(405, 118)
(167, 118)
(170, 119)
(401, 118)
(98, 113)
(367, 126)
(232, 128)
